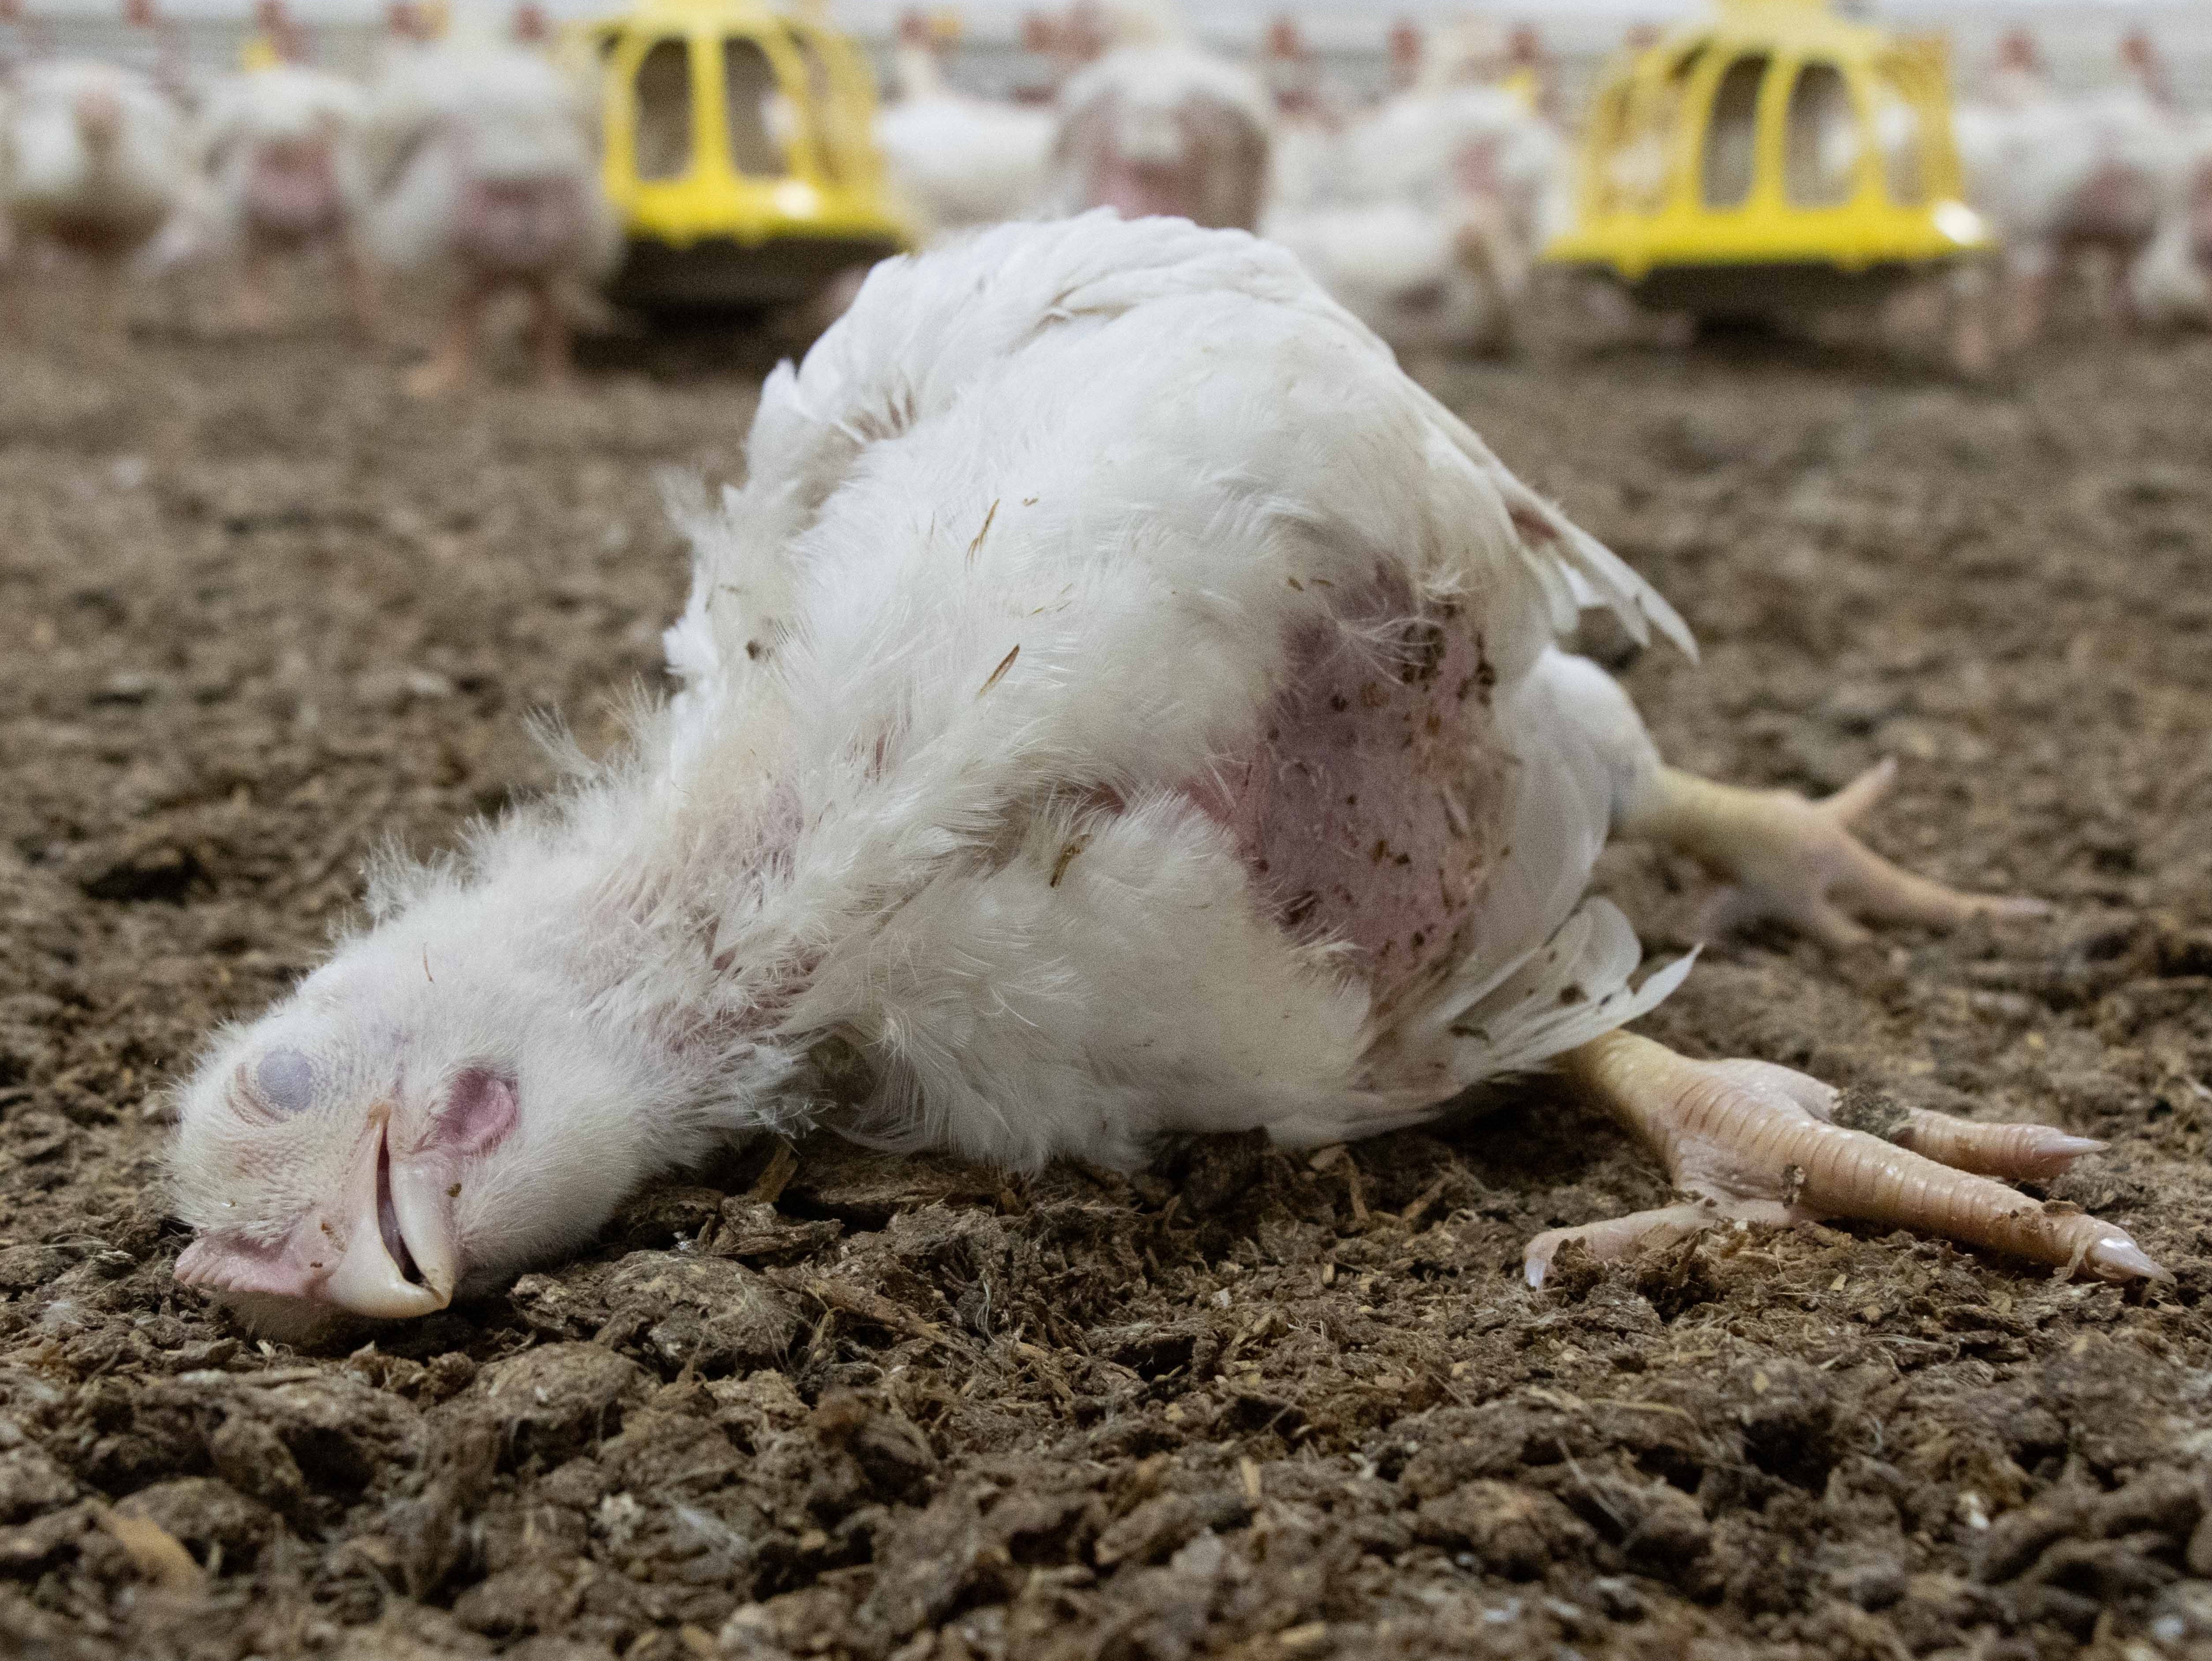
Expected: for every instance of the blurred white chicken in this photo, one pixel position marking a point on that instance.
(1159, 126)
(1438, 206)
(284, 148)
(491, 157)
(957, 160)
(1305, 152)
(1424, 282)
(2066, 181)
(2172, 284)
(92, 165)
(1119, 701)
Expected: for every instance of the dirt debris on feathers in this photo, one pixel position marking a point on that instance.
(263, 613)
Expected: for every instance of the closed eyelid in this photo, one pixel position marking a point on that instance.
(281, 1085)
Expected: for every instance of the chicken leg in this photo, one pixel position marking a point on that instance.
(454, 364)
(1750, 1141)
(1753, 1142)
(1796, 860)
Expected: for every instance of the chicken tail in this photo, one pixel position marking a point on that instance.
(1560, 995)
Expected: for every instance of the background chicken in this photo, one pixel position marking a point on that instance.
(1156, 125)
(955, 159)
(2069, 183)
(2172, 284)
(1437, 206)
(490, 178)
(92, 165)
(285, 150)
(1309, 120)
(1051, 770)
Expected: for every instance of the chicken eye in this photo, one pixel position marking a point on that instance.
(286, 1082)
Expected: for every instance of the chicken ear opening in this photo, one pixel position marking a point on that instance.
(480, 1109)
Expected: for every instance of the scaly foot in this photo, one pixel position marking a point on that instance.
(1754, 1142)
(1786, 857)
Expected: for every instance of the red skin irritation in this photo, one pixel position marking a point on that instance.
(1366, 814)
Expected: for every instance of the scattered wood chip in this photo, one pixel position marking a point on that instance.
(154, 1551)
(780, 1169)
(1429, 1196)
(848, 1299)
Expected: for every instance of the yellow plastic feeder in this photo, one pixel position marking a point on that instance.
(1771, 157)
(738, 152)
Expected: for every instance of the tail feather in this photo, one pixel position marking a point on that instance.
(1573, 988)
(1575, 570)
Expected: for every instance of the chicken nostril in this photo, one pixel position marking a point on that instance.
(387, 1219)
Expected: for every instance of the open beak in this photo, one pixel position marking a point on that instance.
(395, 1219)
(399, 1259)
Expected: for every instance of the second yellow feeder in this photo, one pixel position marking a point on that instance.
(738, 152)
(1770, 157)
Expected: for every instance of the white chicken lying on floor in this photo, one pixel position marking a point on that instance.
(285, 150)
(91, 163)
(1120, 702)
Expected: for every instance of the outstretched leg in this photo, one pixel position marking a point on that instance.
(549, 333)
(106, 313)
(364, 290)
(1783, 856)
(1753, 1142)
(1796, 860)
(255, 311)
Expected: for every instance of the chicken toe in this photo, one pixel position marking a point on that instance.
(1786, 857)
(1750, 1141)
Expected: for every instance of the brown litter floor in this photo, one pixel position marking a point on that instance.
(261, 611)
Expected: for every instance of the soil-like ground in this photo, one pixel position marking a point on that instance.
(262, 611)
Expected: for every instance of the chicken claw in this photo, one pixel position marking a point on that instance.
(1754, 1142)
(1786, 857)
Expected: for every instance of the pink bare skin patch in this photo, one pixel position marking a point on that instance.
(1363, 813)
(1136, 190)
(1218, 176)
(518, 227)
(292, 192)
(2117, 208)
